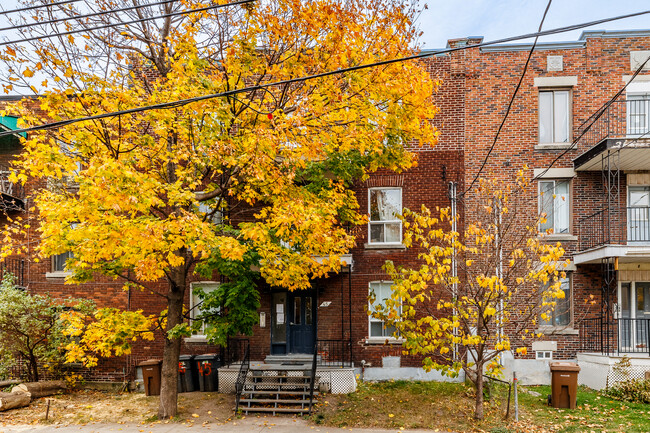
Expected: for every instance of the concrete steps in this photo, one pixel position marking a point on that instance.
(276, 391)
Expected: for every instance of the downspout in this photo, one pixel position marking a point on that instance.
(454, 267)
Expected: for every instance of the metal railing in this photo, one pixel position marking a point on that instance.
(628, 226)
(333, 353)
(624, 118)
(241, 376)
(623, 335)
(236, 349)
(15, 267)
(313, 376)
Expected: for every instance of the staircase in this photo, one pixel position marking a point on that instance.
(278, 390)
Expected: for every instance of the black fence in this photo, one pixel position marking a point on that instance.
(333, 353)
(237, 350)
(15, 267)
(623, 335)
(629, 225)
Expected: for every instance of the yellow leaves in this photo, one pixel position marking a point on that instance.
(522, 350)
(28, 73)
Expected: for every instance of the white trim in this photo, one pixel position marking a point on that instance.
(637, 79)
(199, 337)
(568, 81)
(553, 173)
(384, 222)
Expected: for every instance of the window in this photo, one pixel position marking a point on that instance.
(381, 291)
(638, 108)
(554, 116)
(544, 354)
(196, 311)
(554, 205)
(561, 314)
(58, 261)
(384, 208)
(638, 221)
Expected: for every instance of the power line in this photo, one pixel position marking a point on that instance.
(76, 17)
(182, 102)
(29, 8)
(512, 100)
(71, 32)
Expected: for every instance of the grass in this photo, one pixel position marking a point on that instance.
(450, 407)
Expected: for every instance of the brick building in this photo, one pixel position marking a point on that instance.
(598, 206)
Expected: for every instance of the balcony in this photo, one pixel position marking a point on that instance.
(622, 335)
(12, 195)
(623, 127)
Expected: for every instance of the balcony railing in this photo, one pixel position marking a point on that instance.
(622, 335)
(624, 118)
(627, 226)
(15, 267)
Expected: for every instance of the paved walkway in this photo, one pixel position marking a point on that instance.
(245, 425)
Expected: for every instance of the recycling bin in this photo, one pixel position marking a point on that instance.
(206, 367)
(564, 384)
(188, 379)
(151, 376)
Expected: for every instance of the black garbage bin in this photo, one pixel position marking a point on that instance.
(151, 376)
(188, 380)
(206, 367)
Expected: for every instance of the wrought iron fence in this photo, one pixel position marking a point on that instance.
(608, 226)
(623, 335)
(236, 350)
(333, 353)
(15, 267)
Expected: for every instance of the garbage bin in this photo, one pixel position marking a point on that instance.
(564, 384)
(206, 367)
(151, 376)
(188, 380)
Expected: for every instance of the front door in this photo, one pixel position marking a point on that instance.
(301, 316)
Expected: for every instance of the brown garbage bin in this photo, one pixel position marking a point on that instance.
(564, 384)
(151, 376)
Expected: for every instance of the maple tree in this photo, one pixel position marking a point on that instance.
(507, 278)
(149, 195)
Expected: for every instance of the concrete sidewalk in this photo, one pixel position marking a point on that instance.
(245, 425)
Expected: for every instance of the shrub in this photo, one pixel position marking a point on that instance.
(636, 391)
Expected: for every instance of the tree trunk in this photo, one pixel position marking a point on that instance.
(478, 411)
(40, 389)
(171, 352)
(12, 400)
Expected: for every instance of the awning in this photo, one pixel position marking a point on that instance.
(10, 123)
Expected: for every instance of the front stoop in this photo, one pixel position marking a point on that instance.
(277, 391)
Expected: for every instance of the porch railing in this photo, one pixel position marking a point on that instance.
(624, 118)
(243, 372)
(15, 267)
(622, 335)
(629, 226)
(236, 349)
(333, 353)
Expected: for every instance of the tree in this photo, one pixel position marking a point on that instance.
(152, 194)
(30, 327)
(508, 279)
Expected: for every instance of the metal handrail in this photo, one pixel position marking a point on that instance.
(313, 376)
(241, 376)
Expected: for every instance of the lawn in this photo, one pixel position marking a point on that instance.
(449, 407)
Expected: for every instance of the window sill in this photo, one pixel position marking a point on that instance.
(553, 146)
(557, 330)
(384, 340)
(560, 237)
(57, 274)
(196, 339)
(392, 246)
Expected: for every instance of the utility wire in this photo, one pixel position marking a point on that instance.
(29, 8)
(76, 17)
(512, 100)
(71, 32)
(182, 102)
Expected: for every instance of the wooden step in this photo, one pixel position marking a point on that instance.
(271, 400)
(246, 410)
(280, 377)
(275, 392)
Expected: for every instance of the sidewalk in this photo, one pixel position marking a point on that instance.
(244, 425)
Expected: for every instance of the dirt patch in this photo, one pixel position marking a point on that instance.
(84, 407)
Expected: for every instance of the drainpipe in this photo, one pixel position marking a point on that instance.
(454, 267)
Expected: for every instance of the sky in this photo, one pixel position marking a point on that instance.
(496, 19)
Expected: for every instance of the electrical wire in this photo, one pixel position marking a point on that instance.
(182, 102)
(512, 100)
(90, 29)
(29, 8)
(76, 17)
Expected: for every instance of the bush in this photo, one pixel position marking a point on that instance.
(636, 391)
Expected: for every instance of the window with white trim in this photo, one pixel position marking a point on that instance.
(380, 291)
(544, 354)
(554, 205)
(561, 314)
(196, 310)
(59, 261)
(384, 209)
(638, 111)
(554, 116)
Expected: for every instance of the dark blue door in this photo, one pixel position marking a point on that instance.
(302, 321)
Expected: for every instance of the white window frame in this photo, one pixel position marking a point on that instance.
(544, 355)
(558, 202)
(638, 221)
(554, 122)
(56, 271)
(207, 286)
(544, 325)
(640, 101)
(380, 338)
(384, 222)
